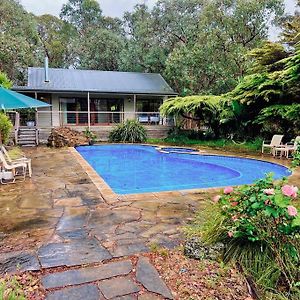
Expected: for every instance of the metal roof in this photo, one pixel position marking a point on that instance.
(72, 80)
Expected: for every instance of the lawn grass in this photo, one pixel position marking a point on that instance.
(220, 144)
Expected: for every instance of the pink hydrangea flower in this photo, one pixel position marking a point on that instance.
(234, 218)
(234, 203)
(289, 190)
(292, 211)
(269, 191)
(228, 190)
(267, 202)
(217, 198)
(230, 234)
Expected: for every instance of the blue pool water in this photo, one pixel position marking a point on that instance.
(131, 169)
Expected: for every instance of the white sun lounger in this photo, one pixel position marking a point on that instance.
(275, 142)
(13, 170)
(285, 150)
(25, 160)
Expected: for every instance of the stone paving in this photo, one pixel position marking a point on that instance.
(58, 219)
(89, 245)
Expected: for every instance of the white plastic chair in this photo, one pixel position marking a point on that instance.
(17, 170)
(285, 150)
(275, 142)
(25, 160)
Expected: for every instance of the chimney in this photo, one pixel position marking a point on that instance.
(46, 67)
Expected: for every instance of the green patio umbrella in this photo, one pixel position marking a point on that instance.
(13, 100)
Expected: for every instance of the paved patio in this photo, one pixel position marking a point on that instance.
(87, 244)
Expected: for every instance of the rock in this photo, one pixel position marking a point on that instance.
(118, 287)
(194, 248)
(89, 292)
(147, 275)
(66, 137)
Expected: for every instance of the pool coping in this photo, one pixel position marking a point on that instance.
(110, 196)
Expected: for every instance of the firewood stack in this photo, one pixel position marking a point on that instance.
(66, 137)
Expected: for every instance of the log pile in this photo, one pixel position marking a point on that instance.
(66, 137)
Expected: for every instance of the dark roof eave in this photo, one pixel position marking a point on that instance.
(45, 90)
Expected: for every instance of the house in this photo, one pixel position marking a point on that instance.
(96, 99)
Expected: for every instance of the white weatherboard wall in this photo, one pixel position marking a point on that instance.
(129, 109)
(44, 117)
(55, 110)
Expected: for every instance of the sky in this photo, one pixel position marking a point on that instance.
(112, 8)
(116, 8)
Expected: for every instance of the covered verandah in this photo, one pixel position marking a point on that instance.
(90, 109)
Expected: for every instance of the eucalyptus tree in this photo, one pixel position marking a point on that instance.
(82, 13)
(226, 31)
(100, 49)
(141, 52)
(19, 42)
(58, 39)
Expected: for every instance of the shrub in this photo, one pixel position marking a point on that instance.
(90, 135)
(4, 81)
(260, 229)
(5, 128)
(131, 131)
(296, 157)
(11, 289)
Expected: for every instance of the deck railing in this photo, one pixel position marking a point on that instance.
(48, 119)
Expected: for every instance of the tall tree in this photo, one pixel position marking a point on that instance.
(291, 28)
(81, 13)
(227, 29)
(100, 49)
(58, 40)
(19, 42)
(142, 52)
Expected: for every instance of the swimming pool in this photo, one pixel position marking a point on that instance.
(131, 169)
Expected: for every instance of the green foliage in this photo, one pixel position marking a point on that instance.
(268, 57)
(81, 13)
(280, 118)
(59, 40)
(260, 228)
(4, 81)
(183, 139)
(19, 42)
(90, 135)
(131, 131)
(296, 157)
(100, 50)
(11, 290)
(5, 128)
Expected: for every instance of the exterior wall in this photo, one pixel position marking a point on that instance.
(55, 109)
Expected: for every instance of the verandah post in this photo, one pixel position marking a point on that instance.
(134, 106)
(89, 111)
